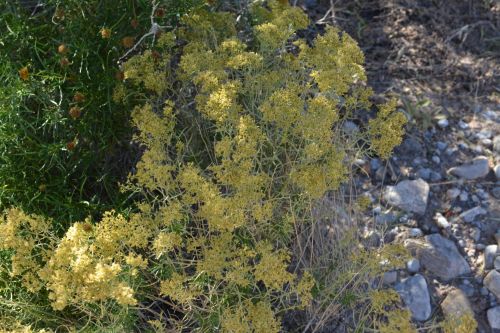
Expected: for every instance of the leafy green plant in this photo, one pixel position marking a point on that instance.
(64, 144)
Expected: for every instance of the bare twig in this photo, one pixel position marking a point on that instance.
(153, 31)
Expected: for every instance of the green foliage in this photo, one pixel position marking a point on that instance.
(64, 144)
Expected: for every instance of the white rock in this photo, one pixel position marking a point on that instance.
(479, 167)
(441, 221)
(415, 295)
(409, 195)
(443, 123)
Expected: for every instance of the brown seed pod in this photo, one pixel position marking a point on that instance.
(79, 97)
(105, 33)
(59, 14)
(87, 227)
(62, 49)
(120, 76)
(160, 12)
(75, 112)
(64, 62)
(134, 23)
(24, 74)
(42, 187)
(71, 145)
(128, 41)
(155, 55)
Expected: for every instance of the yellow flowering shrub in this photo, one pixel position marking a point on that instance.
(239, 139)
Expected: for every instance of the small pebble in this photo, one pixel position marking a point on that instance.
(441, 145)
(441, 221)
(463, 125)
(452, 193)
(413, 266)
(416, 232)
(443, 123)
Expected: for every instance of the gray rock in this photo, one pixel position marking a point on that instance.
(385, 218)
(493, 315)
(475, 234)
(413, 266)
(490, 253)
(496, 144)
(441, 145)
(350, 128)
(496, 263)
(415, 295)
(390, 277)
(456, 304)
(497, 171)
(409, 195)
(479, 167)
(375, 164)
(469, 215)
(439, 256)
(483, 134)
(496, 192)
(463, 125)
(371, 238)
(452, 193)
(468, 290)
(424, 173)
(486, 142)
(492, 282)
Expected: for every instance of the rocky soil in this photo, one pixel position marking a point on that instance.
(440, 192)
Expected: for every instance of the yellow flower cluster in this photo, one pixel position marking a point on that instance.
(386, 131)
(147, 70)
(283, 22)
(27, 236)
(250, 317)
(89, 263)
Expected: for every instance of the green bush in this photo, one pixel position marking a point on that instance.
(64, 144)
